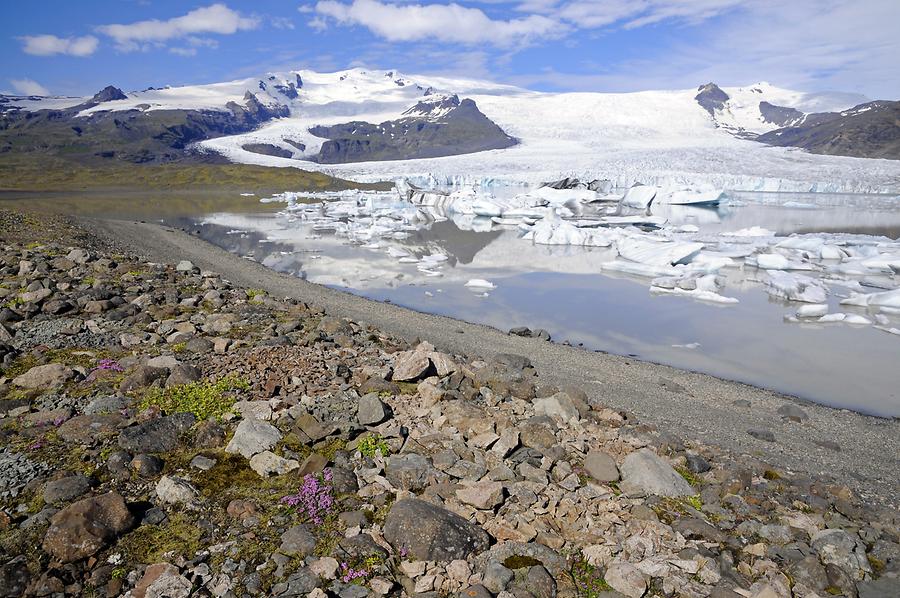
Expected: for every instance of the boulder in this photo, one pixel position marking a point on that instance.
(183, 374)
(253, 436)
(409, 471)
(42, 377)
(268, 463)
(482, 495)
(431, 533)
(14, 578)
(601, 466)
(66, 489)
(837, 547)
(626, 579)
(141, 377)
(84, 527)
(559, 406)
(298, 541)
(85, 429)
(371, 411)
(172, 490)
(412, 365)
(157, 435)
(644, 472)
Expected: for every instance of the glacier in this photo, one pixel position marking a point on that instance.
(660, 138)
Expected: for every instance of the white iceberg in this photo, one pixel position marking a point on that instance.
(794, 287)
(639, 196)
(480, 283)
(656, 252)
(889, 299)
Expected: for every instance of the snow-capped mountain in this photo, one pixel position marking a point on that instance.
(376, 125)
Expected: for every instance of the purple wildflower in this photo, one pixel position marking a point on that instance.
(349, 574)
(315, 498)
(109, 364)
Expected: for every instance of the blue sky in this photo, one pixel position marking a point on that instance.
(603, 45)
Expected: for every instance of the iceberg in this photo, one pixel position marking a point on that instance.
(639, 196)
(656, 252)
(889, 299)
(794, 287)
(480, 283)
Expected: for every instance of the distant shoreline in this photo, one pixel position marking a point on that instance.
(686, 404)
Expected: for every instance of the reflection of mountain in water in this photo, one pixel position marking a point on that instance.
(459, 245)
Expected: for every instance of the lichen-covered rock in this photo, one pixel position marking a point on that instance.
(44, 377)
(431, 533)
(84, 527)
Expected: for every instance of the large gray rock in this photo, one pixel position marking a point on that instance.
(372, 410)
(559, 406)
(626, 579)
(66, 489)
(45, 376)
(601, 466)
(409, 471)
(298, 541)
(837, 547)
(412, 365)
(644, 472)
(253, 436)
(431, 533)
(157, 435)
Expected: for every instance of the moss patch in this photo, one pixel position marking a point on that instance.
(205, 399)
(160, 543)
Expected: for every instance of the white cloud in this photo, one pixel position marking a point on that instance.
(183, 51)
(217, 18)
(438, 22)
(814, 45)
(28, 87)
(48, 45)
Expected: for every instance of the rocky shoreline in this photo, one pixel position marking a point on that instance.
(166, 432)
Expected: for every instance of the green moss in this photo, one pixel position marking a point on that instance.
(373, 443)
(770, 474)
(407, 388)
(876, 563)
(834, 591)
(688, 476)
(205, 399)
(160, 543)
(179, 347)
(694, 502)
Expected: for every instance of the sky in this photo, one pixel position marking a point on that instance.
(77, 48)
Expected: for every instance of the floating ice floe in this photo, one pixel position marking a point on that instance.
(794, 287)
(845, 318)
(480, 283)
(885, 299)
(703, 288)
(812, 310)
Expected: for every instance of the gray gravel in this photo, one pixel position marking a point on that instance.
(691, 405)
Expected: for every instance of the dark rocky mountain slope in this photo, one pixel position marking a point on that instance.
(137, 136)
(444, 126)
(866, 131)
